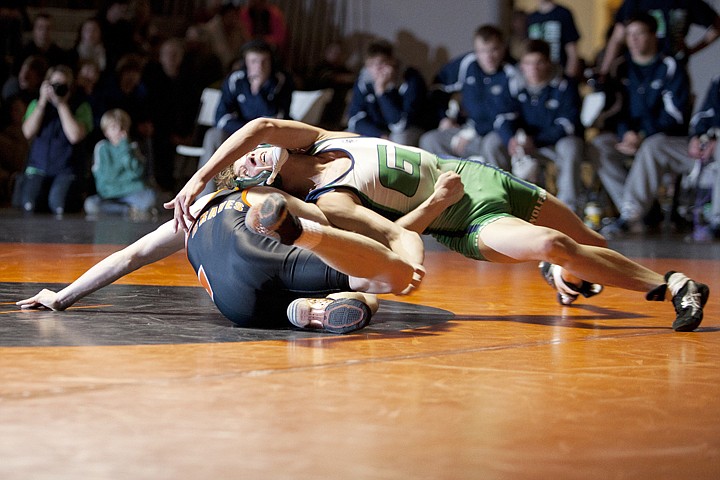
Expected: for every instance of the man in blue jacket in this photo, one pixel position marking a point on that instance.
(255, 90)
(705, 129)
(388, 101)
(484, 82)
(652, 121)
(548, 114)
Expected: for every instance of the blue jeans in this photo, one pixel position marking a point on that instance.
(142, 200)
(38, 188)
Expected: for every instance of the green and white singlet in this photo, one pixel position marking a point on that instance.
(393, 179)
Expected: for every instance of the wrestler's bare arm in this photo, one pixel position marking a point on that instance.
(156, 245)
(282, 133)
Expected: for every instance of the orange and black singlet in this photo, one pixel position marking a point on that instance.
(252, 278)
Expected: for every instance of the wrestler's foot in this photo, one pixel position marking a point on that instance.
(273, 219)
(688, 301)
(567, 293)
(342, 315)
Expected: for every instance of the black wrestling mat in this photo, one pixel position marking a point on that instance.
(146, 315)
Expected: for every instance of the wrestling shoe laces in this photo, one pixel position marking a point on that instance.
(567, 293)
(689, 300)
(273, 219)
(338, 316)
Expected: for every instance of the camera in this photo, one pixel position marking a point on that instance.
(60, 89)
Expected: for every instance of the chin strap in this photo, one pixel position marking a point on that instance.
(279, 157)
(246, 182)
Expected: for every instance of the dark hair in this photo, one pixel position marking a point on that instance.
(130, 62)
(537, 46)
(380, 47)
(257, 46)
(37, 63)
(488, 33)
(646, 19)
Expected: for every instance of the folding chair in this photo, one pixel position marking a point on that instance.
(308, 105)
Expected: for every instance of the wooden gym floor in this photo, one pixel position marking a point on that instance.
(480, 375)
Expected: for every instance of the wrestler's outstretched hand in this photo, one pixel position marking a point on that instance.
(44, 299)
(182, 218)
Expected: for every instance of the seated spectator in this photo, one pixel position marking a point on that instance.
(56, 125)
(485, 83)
(174, 96)
(264, 21)
(225, 34)
(119, 172)
(26, 84)
(332, 72)
(555, 25)
(146, 32)
(88, 82)
(42, 43)
(89, 45)
(124, 89)
(200, 59)
(548, 108)
(388, 100)
(256, 90)
(13, 22)
(652, 122)
(14, 147)
(117, 31)
(704, 131)
(674, 20)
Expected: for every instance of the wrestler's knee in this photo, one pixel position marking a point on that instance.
(555, 246)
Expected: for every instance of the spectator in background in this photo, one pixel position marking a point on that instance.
(42, 43)
(119, 172)
(14, 147)
(518, 35)
(124, 89)
(548, 108)
(704, 131)
(55, 124)
(200, 59)
(388, 100)
(146, 33)
(256, 90)
(225, 34)
(332, 72)
(674, 18)
(174, 96)
(555, 25)
(13, 21)
(655, 95)
(89, 45)
(264, 21)
(117, 31)
(88, 82)
(485, 84)
(26, 85)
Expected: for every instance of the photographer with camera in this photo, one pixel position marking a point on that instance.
(55, 125)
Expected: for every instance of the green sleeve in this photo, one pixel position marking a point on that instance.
(30, 108)
(84, 116)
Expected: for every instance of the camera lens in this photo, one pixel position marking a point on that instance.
(60, 89)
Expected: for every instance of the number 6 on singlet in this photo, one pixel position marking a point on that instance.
(399, 169)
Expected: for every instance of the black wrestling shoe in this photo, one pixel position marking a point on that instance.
(689, 302)
(567, 293)
(341, 315)
(273, 219)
